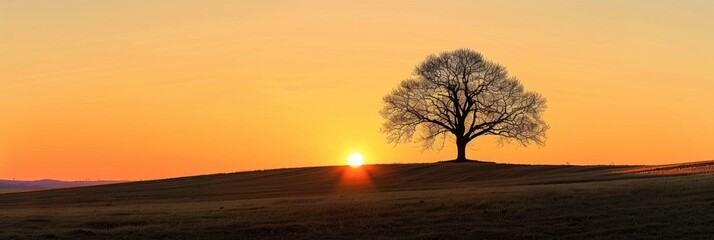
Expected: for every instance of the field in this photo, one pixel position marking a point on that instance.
(396, 201)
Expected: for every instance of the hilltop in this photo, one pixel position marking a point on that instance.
(319, 180)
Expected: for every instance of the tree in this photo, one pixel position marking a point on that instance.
(463, 95)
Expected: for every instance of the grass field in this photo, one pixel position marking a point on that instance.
(402, 201)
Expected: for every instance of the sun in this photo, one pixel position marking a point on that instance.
(355, 160)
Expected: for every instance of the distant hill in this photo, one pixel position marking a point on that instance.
(20, 186)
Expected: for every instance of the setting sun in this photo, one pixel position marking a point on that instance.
(355, 160)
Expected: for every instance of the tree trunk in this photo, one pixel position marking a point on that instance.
(461, 148)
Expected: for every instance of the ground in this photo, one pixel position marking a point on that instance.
(407, 201)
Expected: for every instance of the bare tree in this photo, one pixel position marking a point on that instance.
(461, 94)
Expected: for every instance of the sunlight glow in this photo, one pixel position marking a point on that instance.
(355, 160)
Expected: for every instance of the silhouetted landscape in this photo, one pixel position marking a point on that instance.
(402, 201)
(321, 119)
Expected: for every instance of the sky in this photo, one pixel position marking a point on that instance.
(132, 90)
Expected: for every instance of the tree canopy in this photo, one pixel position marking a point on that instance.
(461, 94)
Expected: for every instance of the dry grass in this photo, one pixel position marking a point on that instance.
(415, 201)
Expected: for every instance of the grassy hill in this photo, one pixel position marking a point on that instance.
(410, 201)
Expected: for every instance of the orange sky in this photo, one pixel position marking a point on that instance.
(154, 89)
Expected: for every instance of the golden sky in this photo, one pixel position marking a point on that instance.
(153, 89)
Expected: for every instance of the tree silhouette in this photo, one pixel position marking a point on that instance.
(461, 94)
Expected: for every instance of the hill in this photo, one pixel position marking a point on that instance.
(317, 180)
(434, 201)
